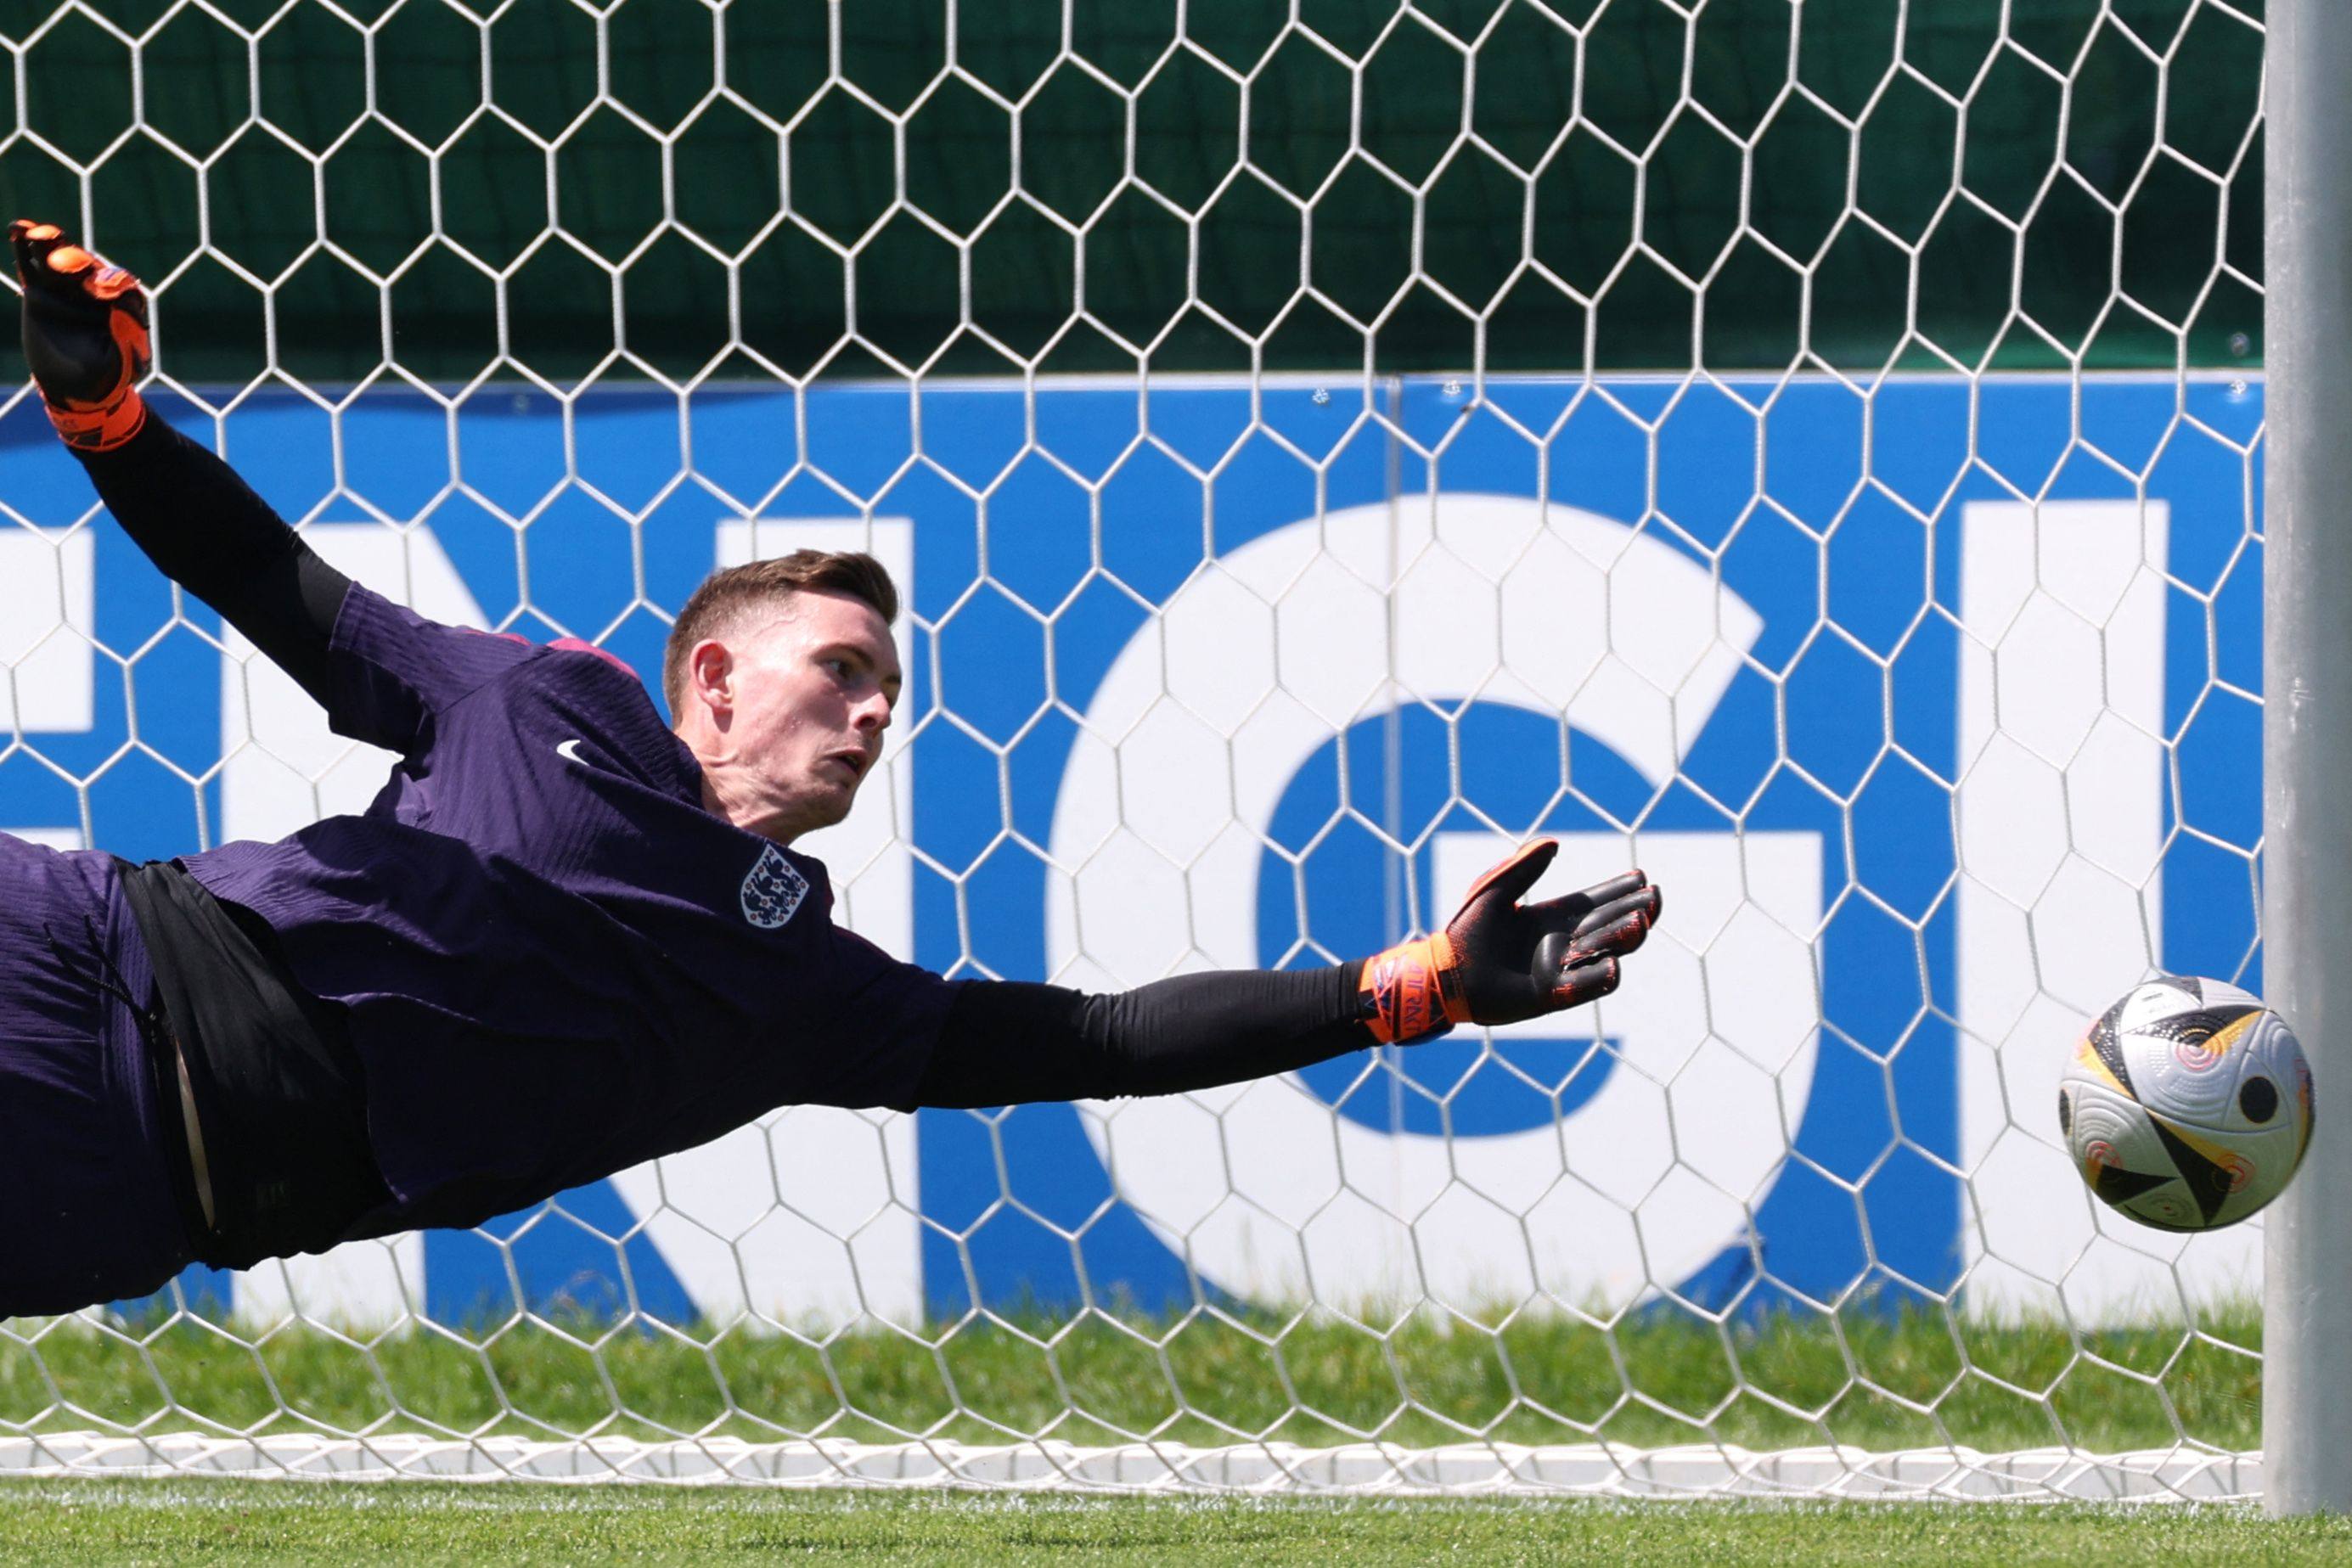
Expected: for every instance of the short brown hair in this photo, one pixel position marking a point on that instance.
(725, 594)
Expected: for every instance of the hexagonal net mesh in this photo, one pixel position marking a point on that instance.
(1810, 452)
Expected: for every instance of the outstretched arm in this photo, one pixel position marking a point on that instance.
(208, 532)
(1011, 1043)
(85, 333)
(1497, 961)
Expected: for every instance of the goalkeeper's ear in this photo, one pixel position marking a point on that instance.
(85, 338)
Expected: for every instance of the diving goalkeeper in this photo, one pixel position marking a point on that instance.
(567, 936)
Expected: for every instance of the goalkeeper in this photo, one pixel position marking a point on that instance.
(567, 936)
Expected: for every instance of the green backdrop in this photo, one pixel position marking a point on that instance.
(2095, 168)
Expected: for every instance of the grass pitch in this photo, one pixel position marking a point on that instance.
(180, 1522)
(1871, 1378)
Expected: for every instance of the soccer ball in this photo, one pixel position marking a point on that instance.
(2188, 1104)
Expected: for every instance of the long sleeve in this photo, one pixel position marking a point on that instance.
(206, 530)
(1011, 1043)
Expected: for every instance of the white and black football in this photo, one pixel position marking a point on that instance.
(2188, 1104)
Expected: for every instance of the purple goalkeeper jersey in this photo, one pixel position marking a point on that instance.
(556, 963)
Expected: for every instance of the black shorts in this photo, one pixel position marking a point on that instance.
(89, 1212)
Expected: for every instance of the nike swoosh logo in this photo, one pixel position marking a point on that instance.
(570, 751)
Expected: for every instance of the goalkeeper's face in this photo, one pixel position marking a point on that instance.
(801, 696)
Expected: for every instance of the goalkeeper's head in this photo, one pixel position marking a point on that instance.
(780, 676)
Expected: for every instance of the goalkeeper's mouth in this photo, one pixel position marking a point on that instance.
(858, 763)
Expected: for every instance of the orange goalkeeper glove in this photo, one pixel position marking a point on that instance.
(1500, 961)
(85, 337)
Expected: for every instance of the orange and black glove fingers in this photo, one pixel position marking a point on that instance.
(1498, 961)
(1610, 917)
(1589, 981)
(1586, 933)
(1522, 961)
(85, 335)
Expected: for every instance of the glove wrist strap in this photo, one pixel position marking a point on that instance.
(100, 426)
(1413, 991)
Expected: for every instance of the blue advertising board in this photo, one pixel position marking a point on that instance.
(1222, 675)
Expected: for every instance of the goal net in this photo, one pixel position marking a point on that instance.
(1810, 451)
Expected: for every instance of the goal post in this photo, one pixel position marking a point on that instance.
(1810, 451)
(2307, 739)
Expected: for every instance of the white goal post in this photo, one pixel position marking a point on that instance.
(2308, 818)
(1816, 457)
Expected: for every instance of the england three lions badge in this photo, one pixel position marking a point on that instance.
(773, 890)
